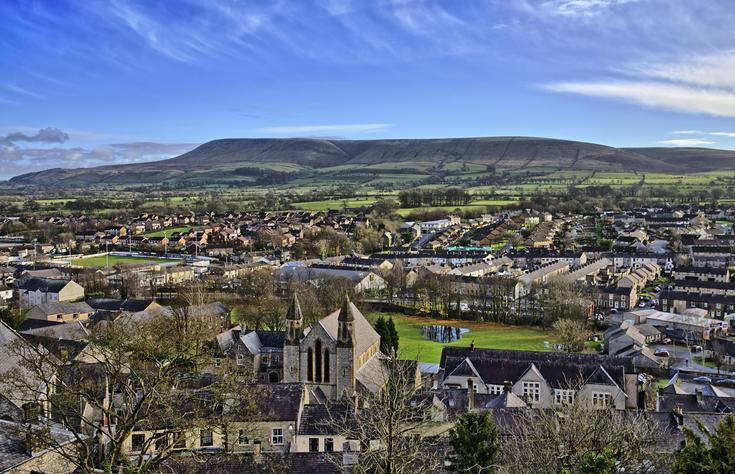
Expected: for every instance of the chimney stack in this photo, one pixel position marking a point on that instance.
(507, 386)
(472, 345)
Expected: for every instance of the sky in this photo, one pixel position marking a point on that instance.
(94, 82)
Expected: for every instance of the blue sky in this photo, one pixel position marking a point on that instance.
(95, 82)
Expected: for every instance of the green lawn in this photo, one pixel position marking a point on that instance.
(413, 344)
(101, 261)
(167, 231)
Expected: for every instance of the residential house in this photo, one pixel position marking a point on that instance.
(36, 291)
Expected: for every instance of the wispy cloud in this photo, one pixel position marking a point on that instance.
(685, 142)
(674, 97)
(341, 128)
(578, 8)
(22, 91)
(700, 132)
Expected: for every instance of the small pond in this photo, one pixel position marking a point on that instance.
(442, 333)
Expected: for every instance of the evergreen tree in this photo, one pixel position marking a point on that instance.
(385, 340)
(696, 457)
(393, 335)
(474, 441)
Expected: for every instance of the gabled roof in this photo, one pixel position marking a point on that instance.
(47, 285)
(365, 335)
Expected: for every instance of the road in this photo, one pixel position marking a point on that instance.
(681, 358)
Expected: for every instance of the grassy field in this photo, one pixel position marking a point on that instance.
(167, 231)
(101, 261)
(334, 204)
(413, 344)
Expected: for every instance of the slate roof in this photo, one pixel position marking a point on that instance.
(30, 324)
(46, 285)
(64, 307)
(294, 463)
(277, 402)
(112, 304)
(559, 369)
(317, 419)
(365, 335)
(71, 331)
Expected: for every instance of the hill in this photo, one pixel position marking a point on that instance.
(303, 161)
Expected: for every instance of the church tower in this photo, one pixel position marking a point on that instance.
(292, 344)
(346, 349)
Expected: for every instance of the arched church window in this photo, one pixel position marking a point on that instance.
(326, 365)
(310, 365)
(318, 368)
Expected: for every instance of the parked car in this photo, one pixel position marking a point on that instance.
(666, 340)
(661, 353)
(696, 348)
(702, 379)
(658, 289)
(613, 311)
(728, 382)
(642, 304)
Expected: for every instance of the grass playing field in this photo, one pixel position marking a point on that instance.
(167, 231)
(413, 344)
(102, 261)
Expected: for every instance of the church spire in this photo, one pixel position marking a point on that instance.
(294, 309)
(345, 324)
(294, 322)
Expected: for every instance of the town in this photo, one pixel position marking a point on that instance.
(367, 237)
(269, 341)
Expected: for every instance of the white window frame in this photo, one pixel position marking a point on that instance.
(532, 391)
(563, 396)
(495, 389)
(277, 436)
(601, 399)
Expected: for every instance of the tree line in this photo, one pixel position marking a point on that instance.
(434, 197)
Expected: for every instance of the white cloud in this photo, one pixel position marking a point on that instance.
(342, 128)
(684, 142)
(675, 97)
(700, 132)
(582, 7)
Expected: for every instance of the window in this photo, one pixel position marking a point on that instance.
(240, 359)
(242, 437)
(495, 389)
(328, 445)
(563, 397)
(180, 440)
(206, 438)
(532, 391)
(161, 441)
(277, 435)
(264, 359)
(601, 399)
(217, 362)
(313, 445)
(138, 440)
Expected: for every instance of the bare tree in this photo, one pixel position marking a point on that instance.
(579, 438)
(136, 375)
(572, 334)
(390, 424)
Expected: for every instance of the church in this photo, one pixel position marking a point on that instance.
(339, 356)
